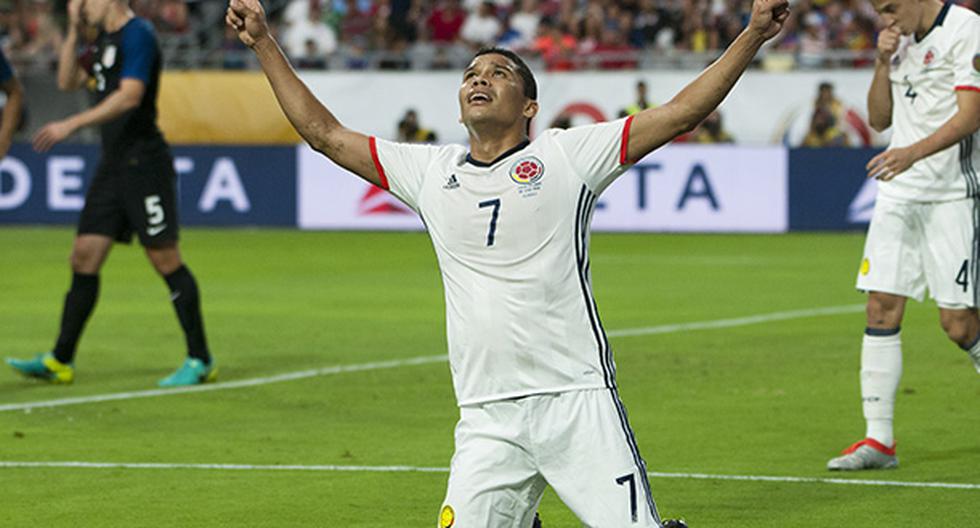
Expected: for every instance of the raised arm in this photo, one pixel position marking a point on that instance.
(964, 122)
(70, 75)
(308, 116)
(653, 127)
(880, 93)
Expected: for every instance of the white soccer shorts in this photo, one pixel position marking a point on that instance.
(914, 246)
(578, 442)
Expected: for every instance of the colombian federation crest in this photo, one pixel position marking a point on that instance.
(930, 56)
(527, 171)
(447, 517)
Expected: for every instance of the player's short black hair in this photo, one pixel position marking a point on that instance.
(527, 78)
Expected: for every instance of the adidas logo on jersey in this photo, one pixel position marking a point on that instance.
(451, 183)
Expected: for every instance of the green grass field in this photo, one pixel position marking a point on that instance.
(774, 398)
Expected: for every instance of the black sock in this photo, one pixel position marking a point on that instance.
(79, 302)
(187, 302)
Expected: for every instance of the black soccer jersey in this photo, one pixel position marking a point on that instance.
(131, 52)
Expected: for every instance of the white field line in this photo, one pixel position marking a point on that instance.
(423, 469)
(251, 382)
(738, 321)
(378, 365)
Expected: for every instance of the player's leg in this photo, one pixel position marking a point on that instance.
(587, 452)
(102, 220)
(493, 481)
(881, 364)
(88, 253)
(953, 237)
(962, 326)
(891, 271)
(152, 209)
(186, 299)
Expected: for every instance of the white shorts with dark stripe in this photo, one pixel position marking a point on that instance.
(508, 451)
(913, 246)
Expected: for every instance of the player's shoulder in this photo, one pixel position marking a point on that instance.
(139, 28)
(449, 153)
(613, 126)
(958, 18)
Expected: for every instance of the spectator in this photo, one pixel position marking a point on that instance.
(446, 21)
(311, 59)
(711, 130)
(823, 130)
(562, 121)
(525, 23)
(613, 51)
(40, 33)
(409, 130)
(813, 41)
(404, 17)
(481, 27)
(556, 46)
(827, 99)
(297, 11)
(641, 103)
(172, 17)
(233, 51)
(296, 37)
(355, 24)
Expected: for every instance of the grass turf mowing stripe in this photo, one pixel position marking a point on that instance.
(422, 469)
(290, 376)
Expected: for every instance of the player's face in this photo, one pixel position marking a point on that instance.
(902, 14)
(94, 11)
(492, 91)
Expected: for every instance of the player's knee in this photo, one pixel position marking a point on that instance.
(883, 312)
(960, 326)
(84, 259)
(164, 260)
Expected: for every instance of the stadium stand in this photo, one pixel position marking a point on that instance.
(441, 34)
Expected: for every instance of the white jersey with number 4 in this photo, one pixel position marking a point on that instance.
(512, 239)
(925, 75)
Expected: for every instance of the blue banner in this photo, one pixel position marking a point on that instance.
(258, 185)
(829, 188)
(217, 185)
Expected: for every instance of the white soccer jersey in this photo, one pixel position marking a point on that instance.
(924, 77)
(512, 240)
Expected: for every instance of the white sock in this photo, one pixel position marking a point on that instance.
(881, 369)
(974, 351)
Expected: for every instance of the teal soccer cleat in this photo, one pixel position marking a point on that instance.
(44, 367)
(192, 372)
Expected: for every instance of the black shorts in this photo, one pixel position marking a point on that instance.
(133, 192)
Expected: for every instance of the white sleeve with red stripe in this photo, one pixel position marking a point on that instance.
(598, 152)
(966, 55)
(401, 167)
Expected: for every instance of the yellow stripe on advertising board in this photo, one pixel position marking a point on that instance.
(221, 107)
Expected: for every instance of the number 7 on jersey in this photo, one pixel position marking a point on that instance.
(495, 203)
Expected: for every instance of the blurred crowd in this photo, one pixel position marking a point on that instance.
(435, 34)
(565, 34)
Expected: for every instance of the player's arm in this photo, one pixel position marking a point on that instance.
(653, 127)
(308, 115)
(71, 76)
(964, 122)
(11, 112)
(880, 93)
(122, 100)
